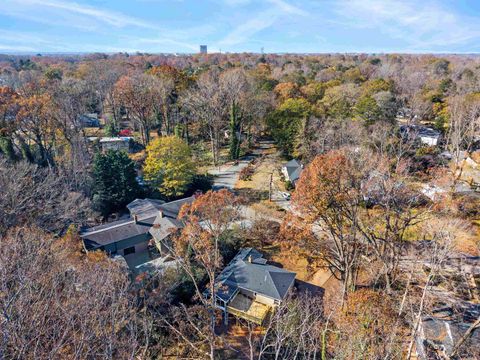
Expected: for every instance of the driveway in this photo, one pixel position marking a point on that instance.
(226, 176)
(280, 200)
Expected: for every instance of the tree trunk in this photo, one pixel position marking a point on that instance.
(464, 338)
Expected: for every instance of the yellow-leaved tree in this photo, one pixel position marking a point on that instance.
(169, 166)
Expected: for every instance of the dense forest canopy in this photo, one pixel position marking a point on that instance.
(371, 198)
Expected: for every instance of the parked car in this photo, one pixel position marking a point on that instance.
(285, 195)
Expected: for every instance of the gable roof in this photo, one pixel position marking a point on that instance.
(147, 212)
(141, 206)
(420, 130)
(116, 231)
(254, 275)
(294, 169)
(172, 208)
(293, 163)
(163, 227)
(294, 173)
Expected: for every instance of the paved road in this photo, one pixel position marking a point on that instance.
(226, 176)
(280, 200)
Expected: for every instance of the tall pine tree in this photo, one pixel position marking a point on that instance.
(114, 181)
(234, 131)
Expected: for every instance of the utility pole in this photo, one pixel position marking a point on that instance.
(270, 188)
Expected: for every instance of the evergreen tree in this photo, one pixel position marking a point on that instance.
(6, 146)
(114, 181)
(234, 131)
(111, 129)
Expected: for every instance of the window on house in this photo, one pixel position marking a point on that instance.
(128, 251)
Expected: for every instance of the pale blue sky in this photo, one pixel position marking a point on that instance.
(240, 25)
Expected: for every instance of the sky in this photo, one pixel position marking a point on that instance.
(277, 26)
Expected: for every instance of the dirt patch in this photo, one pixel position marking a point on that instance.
(236, 336)
(288, 260)
(266, 166)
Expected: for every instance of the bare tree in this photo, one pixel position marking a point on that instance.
(57, 303)
(197, 250)
(34, 195)
(442, 236)
(207, 103)
(138, 94)
(462, 132)
(293, 331)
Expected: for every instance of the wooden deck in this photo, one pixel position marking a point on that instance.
(248, 309)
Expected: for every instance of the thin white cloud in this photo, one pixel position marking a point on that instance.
(424, 25)
(116, 19)
(288, 8)
(15, 48)
(261, 21)
(164, 41)
(244, 31)
(237, 2)
(68, 14)
(26, 41)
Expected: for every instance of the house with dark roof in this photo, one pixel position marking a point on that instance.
(292, 170)
(89, 120)
(151, 223)
(250, 288)
(422, 134)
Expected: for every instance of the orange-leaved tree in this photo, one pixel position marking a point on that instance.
(137, 94)
(197, 249)
(327, 197)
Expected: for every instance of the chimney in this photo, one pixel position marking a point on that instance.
(160, 214)
(249, 259)
(135, 218)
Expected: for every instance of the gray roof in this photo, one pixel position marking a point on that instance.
(420, 130)
(116, 231)
(294, 174)
(172, 208)
(294, 169)
(89, 120)
(256, 276)
(149, 206)
(147, 212)
(293, 163)
(140, 206)
(163, 227)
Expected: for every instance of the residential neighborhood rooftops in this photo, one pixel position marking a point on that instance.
(422, 132)
(147, 206)
(110, 139)
(140, 206)
(250, 271)
(145, 213)
(116, 231)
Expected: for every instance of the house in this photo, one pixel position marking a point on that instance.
(89, 120)
(113, 143)
(141, 236)
(292, 170)
(425, 135)
(250, 288)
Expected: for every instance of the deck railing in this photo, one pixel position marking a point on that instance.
(242, 314)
